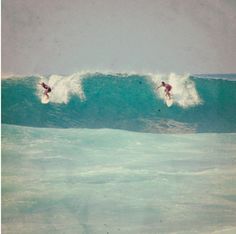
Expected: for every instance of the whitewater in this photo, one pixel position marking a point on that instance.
(107, 155)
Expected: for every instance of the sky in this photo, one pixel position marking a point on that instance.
(67, 36)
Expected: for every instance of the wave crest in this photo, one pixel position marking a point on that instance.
(183, 89)
(64, 87)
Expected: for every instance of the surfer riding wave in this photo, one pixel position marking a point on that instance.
(167, 87)
(47, 88)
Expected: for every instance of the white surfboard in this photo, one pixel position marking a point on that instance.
(169, 101)
(44, 99)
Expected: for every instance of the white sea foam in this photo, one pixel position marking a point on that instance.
(183, 89)
(63, 87)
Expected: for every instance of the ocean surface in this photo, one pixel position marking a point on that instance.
(106, 154)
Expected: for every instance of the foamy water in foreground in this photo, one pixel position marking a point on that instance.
(113, 181)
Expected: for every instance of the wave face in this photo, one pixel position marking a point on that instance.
(203, 103)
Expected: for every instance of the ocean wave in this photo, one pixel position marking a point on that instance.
(121, 100)
(184, 91)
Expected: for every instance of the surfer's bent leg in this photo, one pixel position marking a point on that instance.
(167, 90)
(47, 91)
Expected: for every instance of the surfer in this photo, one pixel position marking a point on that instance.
(47, 89)
(167, 87)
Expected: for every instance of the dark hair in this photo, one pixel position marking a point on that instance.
(163, 83)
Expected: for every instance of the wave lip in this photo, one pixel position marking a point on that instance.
(228, 77)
